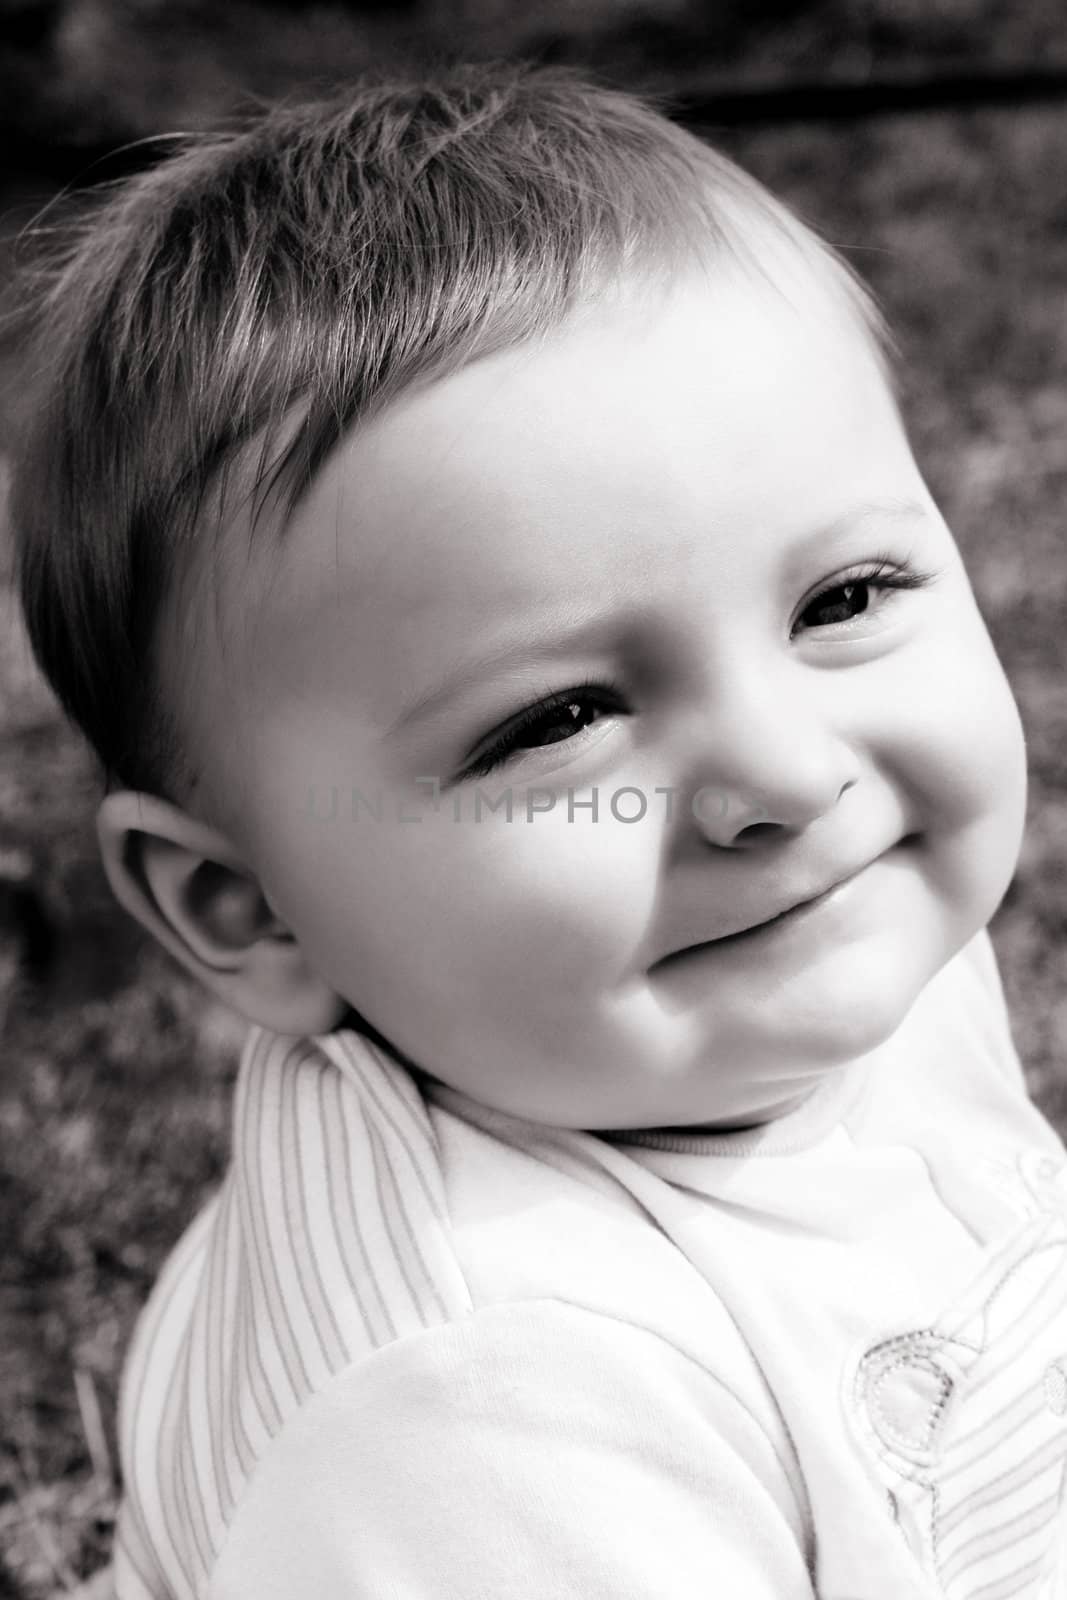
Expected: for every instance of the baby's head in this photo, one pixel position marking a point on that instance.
(472, 523)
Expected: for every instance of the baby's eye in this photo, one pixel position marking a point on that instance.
(847, 600)
(858, 592)
(562, 719)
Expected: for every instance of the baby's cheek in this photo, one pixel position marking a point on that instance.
(964, 757)
(960, 737)
(986, 752)
(499, 929)
(577, 893)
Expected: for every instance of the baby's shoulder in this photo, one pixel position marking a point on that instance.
(326, 1242)
(360, 1220)
(457, 1209)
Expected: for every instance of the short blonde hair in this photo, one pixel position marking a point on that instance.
(322, 257)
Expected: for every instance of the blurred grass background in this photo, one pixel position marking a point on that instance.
(116, 1069)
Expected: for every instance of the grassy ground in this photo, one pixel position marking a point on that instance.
(113, 1096)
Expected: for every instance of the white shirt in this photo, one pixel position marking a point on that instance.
(418, 1348)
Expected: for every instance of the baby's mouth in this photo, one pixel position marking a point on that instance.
(792, 914)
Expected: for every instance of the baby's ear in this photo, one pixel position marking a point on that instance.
(184, 881)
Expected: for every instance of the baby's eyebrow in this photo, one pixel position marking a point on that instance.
(887, 510)
(538, 640)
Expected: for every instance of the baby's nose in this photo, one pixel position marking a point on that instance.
(768, 760)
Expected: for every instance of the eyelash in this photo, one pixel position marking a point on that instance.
(882, 574)
(598, 689)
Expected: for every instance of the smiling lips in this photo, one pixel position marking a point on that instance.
(798, 905)
(793, 909)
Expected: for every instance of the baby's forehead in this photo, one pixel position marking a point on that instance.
(632, 417)
(782, 272)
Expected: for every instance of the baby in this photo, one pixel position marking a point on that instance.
(472, 522)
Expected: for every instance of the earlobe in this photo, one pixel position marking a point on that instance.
(187, 885)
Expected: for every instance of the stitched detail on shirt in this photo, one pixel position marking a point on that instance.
(964, 1426)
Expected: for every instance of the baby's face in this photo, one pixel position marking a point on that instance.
(644, 561)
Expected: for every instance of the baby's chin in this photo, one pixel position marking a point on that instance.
(717, 1058)
(743, 1077)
